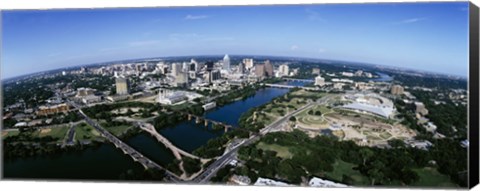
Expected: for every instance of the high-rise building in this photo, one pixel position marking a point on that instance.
(283, 69)
(176, 69)
(185, 66)
(138, 68)
(213, 75)
(319, 81)
(248, 63)
(268, 68)
(122, 85)
(209, 65)
(241, 68)
(181, 79)
(193, 67)
(226, 63)
(260, 70)
(397, 90)
(316, 71)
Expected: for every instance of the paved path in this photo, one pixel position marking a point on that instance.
(177, 152)
(136, 156)
(230, 155)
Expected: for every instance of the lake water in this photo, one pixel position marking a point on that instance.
(190, 136)
(107, 163)
(383, 77)
(103, 163)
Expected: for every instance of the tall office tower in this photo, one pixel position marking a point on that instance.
(241, 68)
(283, 70)
(226, 63)
(185, 66)
(181, 79)
(176, 69)
(122, 85)
(248, 63)
(268, 68)
(316, 71)
(260, 70)
(319, 81)
(209, 66)
(214, 75)
(397, 90)
(138, 68)
(193, 65)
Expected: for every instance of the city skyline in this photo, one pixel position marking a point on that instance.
(418, 36)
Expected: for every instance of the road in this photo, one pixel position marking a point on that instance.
(70, 136)
(176, 151)
(136, 156)
(228, 156)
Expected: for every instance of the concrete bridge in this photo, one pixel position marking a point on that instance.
(126, 149)
(199, 119)
(298, 80)
(177, 152)
(289, 86)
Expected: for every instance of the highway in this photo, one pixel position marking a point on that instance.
(136, 156)
(228, 156)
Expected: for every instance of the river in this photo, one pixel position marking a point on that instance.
(107, 162)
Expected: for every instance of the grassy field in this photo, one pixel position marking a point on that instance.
(385, 135)
(180, 106)
(308, 119)
(6, 134)
(282, 151)
(85, 132)
(118, 130)
(56, 132)
(341, 168)
(430, 177)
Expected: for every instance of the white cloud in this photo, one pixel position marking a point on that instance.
(196, 17)
(294, 47)
(411, 20)
(321, 50)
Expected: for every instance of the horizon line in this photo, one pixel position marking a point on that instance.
(252, 55)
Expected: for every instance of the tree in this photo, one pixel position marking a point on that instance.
(365, 153)
(293, 119)
(375, 173)
(396, 143)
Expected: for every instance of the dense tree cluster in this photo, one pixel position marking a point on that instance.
(214, 147)
(315, 156)
(145, 175)
(191, 165)
(27, 145)
(430, 81)
(244, 93)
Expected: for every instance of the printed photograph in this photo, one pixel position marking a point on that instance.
(311, 95)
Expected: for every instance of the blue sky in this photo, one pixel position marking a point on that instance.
(425, 36)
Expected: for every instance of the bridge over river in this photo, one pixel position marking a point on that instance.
(199, 119)
(177, 152)
(134, 154)
(290, 86)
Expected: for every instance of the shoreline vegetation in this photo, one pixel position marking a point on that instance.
(292, 157)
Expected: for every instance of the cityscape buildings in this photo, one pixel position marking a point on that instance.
(121, 85)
